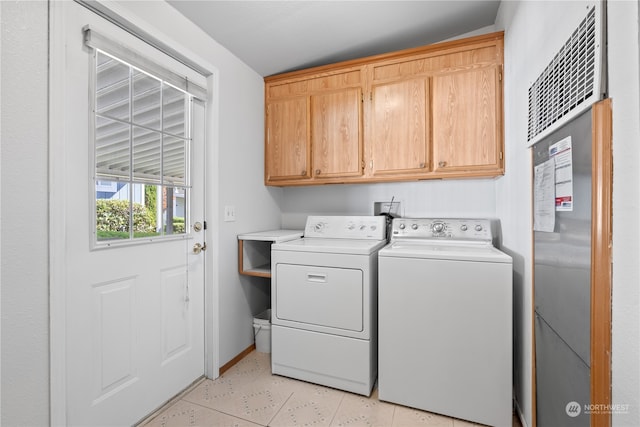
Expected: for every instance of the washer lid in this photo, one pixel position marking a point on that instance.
(339, 246)
(461, 251)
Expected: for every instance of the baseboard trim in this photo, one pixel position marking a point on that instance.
(236, 359)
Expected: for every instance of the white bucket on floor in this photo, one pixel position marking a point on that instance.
(262, 331)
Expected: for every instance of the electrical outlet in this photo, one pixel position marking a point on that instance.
(229, 213)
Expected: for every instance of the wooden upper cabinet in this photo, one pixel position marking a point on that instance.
(400, 135)
(424, 113)
(287, 148)
(314, 128)
(336, 135)
(467, 122)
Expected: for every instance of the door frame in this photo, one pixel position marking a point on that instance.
(57, 213)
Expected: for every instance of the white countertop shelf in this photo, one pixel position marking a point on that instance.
(272, 235)
(254, 250)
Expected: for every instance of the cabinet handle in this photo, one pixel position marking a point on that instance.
(442, 164)
(303, 173)
(421, 165)
(318, 171)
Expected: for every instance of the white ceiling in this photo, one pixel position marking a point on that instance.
(278, 36)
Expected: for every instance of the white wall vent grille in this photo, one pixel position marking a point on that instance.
(570, 81)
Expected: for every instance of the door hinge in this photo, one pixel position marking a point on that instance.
(204, 225)
(370, 96)
(361, 97)
(501, 155)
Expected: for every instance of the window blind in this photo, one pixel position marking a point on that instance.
(142, 125)
(95, 40)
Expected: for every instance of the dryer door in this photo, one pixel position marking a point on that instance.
(320, 296)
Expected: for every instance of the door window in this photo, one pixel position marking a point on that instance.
(142, 127)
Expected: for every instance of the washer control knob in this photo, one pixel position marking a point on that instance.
(401, 226)
(478, 227)
(414, 226)
(463, 227)
(437, 227)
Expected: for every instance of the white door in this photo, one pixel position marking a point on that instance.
(134, 334)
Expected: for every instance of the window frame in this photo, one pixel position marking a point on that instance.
(95, 177)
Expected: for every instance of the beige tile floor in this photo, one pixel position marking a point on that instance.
(249, 395)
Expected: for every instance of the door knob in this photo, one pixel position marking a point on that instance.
(197, 248)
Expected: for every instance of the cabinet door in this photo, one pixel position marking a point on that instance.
(287, 150)
(467, 127)
(400, 128)
(336, 135)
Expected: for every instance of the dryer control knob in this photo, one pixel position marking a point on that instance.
(414, 226)
(401, 226)
(438, 227)
(463, 227)
(478, 227)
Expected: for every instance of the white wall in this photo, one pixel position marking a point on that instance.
(0, 222)
(624, 89)
(534, 31)
(437, 198)
(25, 297)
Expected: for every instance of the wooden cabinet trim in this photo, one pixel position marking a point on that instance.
(443, 48)
(315, 84)
(429, 65)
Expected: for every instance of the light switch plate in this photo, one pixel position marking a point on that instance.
(229, 213)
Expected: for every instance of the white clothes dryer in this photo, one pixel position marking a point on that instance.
(324, 305)
(445, 320)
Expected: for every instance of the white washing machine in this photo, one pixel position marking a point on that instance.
(324, 300)
(445, 320)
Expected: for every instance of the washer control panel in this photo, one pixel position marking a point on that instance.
(441, 229)
(346, 227)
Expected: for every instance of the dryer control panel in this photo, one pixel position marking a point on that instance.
(346, 227)
(442, 229)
